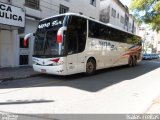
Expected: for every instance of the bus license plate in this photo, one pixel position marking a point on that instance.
(43, 71)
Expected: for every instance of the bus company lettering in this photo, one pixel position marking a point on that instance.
(6, 12)
(108, 45)
(46, 25)
(104, 43)
(56, 22)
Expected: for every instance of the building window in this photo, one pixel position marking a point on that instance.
(9, 1)
(32, 4)
(122, 19)
(118, 15)
(63, 9)
(80, 13)
(93, 2)
(21, 43)
(129, 25)
(113, 13)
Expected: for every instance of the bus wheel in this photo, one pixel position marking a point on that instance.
(90, 67)
(130, 61)
(134, 61)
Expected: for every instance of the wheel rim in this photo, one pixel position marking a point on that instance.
(90, 67)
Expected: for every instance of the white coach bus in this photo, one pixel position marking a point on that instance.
(71, 43)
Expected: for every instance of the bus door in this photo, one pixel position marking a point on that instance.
(77, 33)
(72, 51)
(81, 29)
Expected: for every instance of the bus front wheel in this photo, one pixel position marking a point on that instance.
(90, 67)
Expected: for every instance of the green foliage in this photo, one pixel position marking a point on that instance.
(147, 11)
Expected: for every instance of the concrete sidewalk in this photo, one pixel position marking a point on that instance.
(17, 73)
(154, 108)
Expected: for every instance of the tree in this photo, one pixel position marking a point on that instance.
(147, 11)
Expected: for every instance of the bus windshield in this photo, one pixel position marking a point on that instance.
(46, 44)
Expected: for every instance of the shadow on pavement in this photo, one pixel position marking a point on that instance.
(9, 102)
(102, 79)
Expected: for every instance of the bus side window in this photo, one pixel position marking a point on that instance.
(99, 31)
(77, 31)
(129, 39)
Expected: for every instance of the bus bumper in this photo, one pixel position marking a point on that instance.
(54, 70)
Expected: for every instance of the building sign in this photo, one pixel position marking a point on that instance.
(11, 15)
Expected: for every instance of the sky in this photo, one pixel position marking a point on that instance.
(126, 2)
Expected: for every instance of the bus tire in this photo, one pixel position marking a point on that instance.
(130, 61)
(134, 61)
(90, 66)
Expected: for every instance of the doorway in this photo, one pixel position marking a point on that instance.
(23, 52)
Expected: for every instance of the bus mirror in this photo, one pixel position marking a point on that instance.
(60, 34)
(27, 36)
(59, 38)
(25, 42)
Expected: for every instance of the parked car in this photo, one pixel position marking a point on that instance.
(146, 56)
(157, 56)
(150, 56)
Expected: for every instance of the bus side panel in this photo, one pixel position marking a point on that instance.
(121, 49)
(93, 50)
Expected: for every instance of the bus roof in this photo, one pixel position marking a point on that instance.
(76, 14)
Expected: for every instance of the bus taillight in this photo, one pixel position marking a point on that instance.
(56, 60)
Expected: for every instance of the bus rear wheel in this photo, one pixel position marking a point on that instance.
(134, 61)
(90, 67)
(130, 61)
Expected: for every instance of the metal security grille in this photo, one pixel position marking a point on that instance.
(93, 2)
(23, 60)
(63, 9)
(32, 4)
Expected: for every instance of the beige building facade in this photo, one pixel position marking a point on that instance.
(12, 51)
(115, 13)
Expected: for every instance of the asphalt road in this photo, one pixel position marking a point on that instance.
(117, 90)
